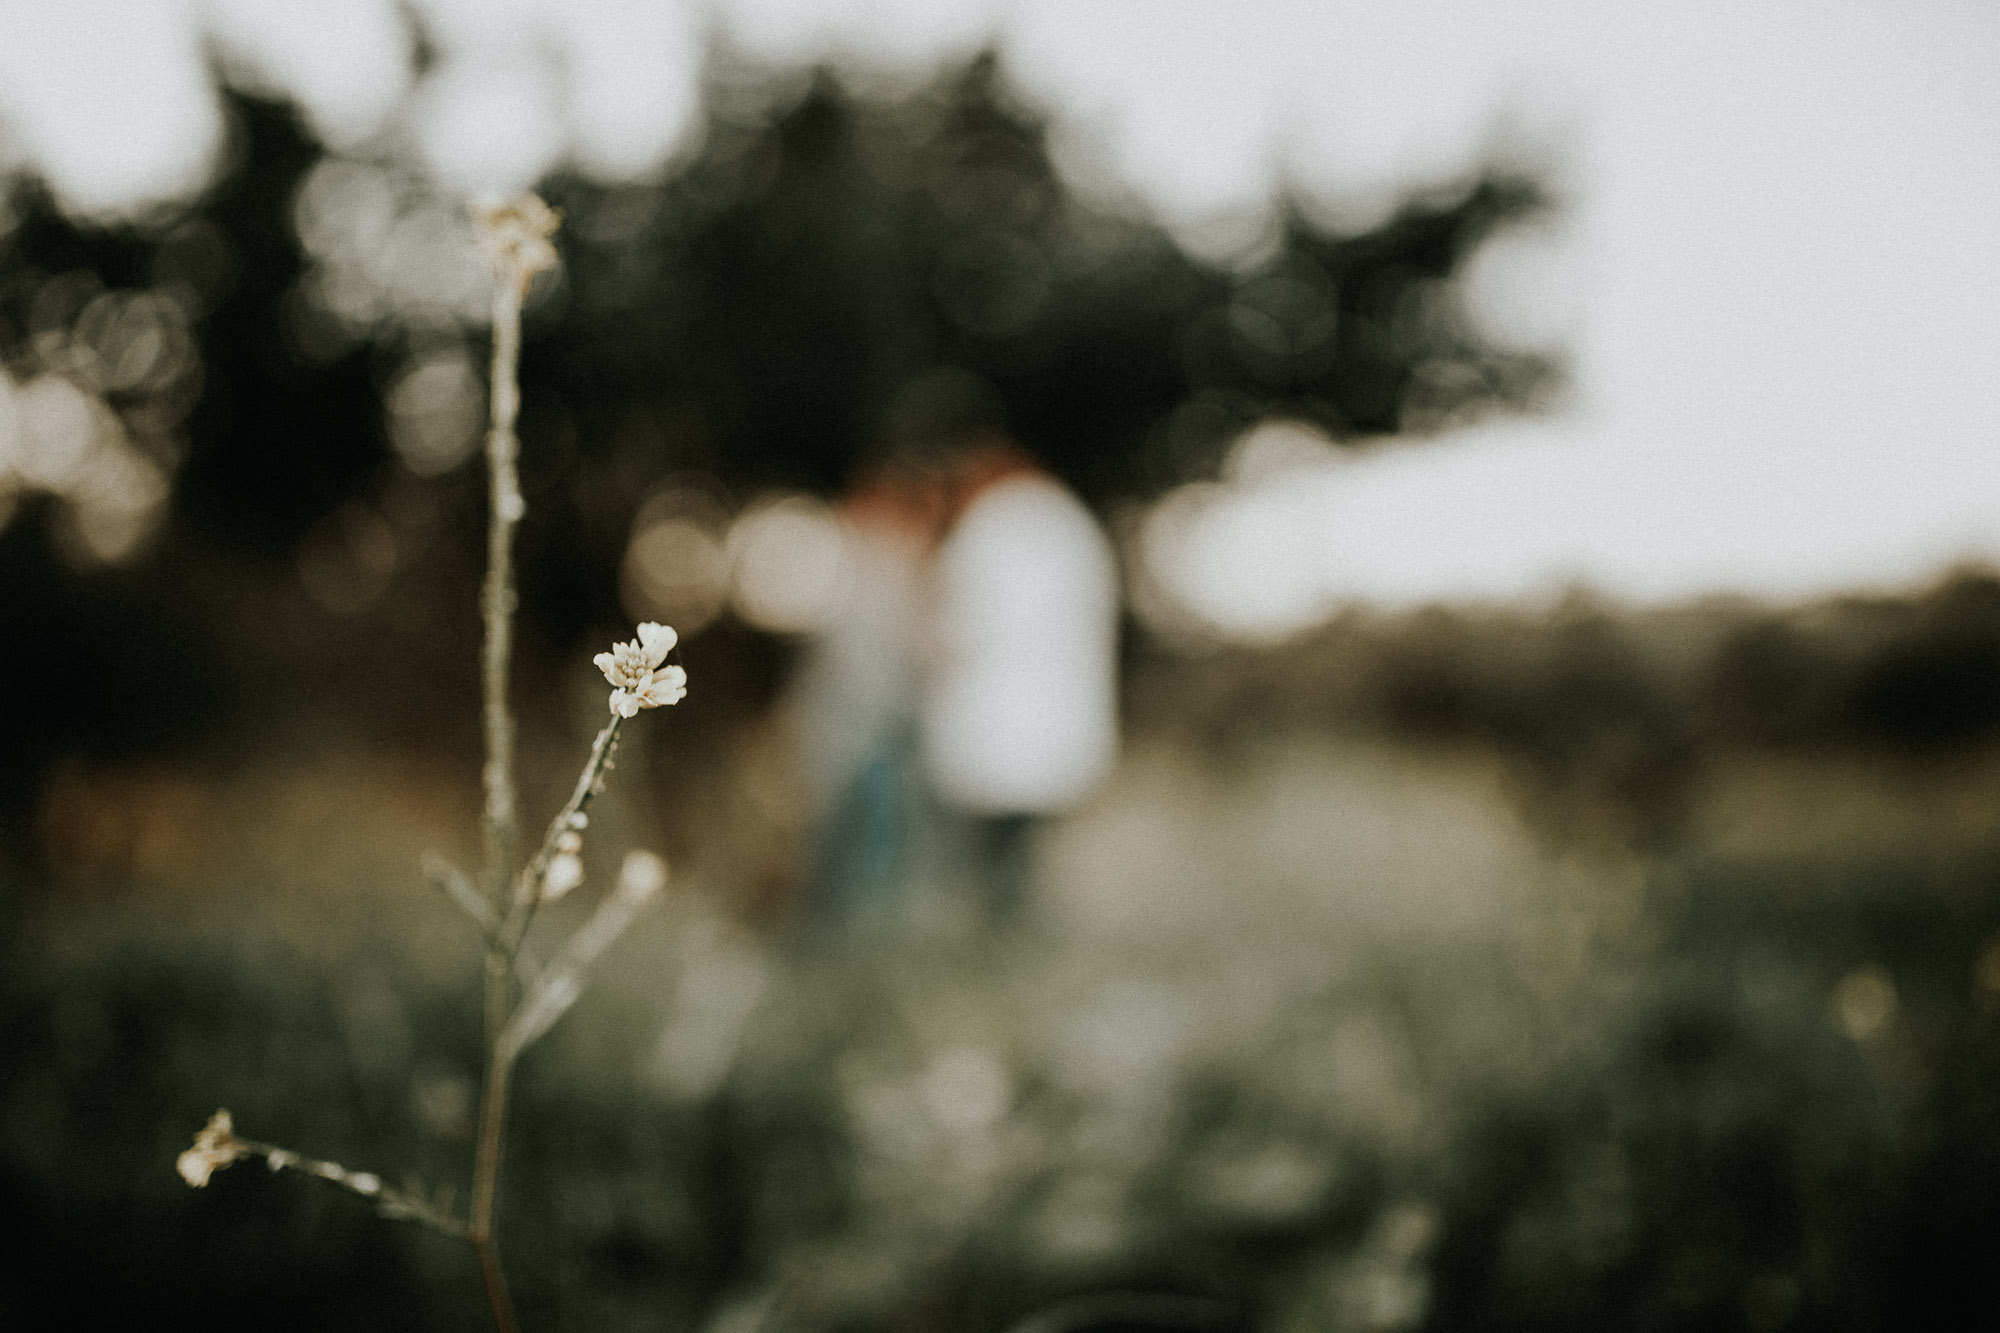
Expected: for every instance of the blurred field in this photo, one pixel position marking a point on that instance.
(1447, 972)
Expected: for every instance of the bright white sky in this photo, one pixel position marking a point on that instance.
(1778, 274)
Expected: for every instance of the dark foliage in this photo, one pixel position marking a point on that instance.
(1612, 718)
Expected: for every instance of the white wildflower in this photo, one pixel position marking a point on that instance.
(214, 1148)
(635, 670)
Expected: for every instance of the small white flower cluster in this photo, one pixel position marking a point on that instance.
(637, 677)
(214, 1148)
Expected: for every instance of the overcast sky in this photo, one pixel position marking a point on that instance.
(1777, 272)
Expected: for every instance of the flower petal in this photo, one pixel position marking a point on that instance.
(625, 703)
(668, 685)
(605, 662)
(658, 640)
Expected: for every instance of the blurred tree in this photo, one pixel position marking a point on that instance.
(755, 317)
(753, 314)
(822, 250)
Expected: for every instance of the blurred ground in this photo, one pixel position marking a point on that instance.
(1331, 1012)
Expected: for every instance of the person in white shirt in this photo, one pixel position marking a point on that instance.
(1018, 718)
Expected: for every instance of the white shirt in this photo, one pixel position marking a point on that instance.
(1020, 708)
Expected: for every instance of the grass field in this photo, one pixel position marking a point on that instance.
(1300, 1033)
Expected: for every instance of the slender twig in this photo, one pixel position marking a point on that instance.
(571, 819)
(218, 1145)
(450, 881)
(504, 510)
(556, 989)
(389, 1201)
(561, 977)
(497, 1300)
(515, 238)
(486, 1185)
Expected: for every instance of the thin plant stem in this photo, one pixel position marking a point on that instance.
(504, 509)
(501, 1052)
(515, 258)
(389, 1201)
(516, 240)
(561, 982)
(569, 819)
(486, 1185)
(497, 1300)
(446, 878)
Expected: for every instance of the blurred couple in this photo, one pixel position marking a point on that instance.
(968, 690)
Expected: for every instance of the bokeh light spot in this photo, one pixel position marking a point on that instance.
(1864, 1001)
(676, 571)
(347, 558)
(789, 564)
(434, 412)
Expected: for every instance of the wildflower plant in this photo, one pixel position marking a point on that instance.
(523, 996)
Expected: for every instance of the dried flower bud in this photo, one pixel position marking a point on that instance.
(565, 873)
(515, 237)
(214, 1148)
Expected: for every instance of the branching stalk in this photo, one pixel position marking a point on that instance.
(516, 240)
(559, 984)
(569, 821)
(389, 1201)
(450, 881)
(218, 1145)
